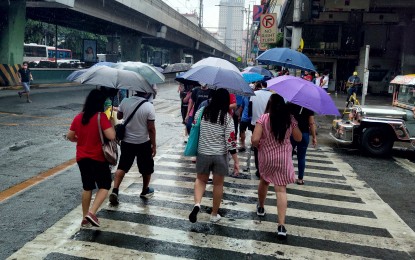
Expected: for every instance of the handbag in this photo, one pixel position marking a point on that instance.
(120, 128)
(109, 147)
(193, 140)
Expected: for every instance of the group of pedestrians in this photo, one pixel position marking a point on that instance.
(277, 129)
(138, 143)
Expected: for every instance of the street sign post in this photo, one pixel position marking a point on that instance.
(268, 28)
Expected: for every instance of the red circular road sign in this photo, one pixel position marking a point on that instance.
(268, 21)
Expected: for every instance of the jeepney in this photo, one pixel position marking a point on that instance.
(375, 129)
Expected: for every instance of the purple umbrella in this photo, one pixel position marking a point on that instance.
(303, 93)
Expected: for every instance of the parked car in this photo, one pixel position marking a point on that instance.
(376, 128)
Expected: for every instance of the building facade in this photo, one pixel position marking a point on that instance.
(231, 20)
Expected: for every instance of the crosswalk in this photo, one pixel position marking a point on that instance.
(335, 215)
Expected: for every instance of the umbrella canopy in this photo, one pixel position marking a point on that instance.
(252, 76)
(150, 73)
(259, 70)
(216, 77)
(105, 63)
(115, 78)
(176, 67)
(303, 93)
(287, 58)
(216, 62)
(76, 74)
(160, 69)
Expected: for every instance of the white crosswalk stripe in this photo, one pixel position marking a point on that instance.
(334, 216)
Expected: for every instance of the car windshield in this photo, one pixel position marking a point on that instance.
(407, 94)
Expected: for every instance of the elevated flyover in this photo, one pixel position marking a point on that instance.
(151, 22)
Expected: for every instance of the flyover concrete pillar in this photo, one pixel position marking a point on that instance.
(12, 28)
(130, 47)
(176, 55)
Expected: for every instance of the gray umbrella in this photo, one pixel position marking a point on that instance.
(115, 78)
(176, 67)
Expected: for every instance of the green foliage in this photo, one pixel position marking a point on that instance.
(279, 43)
(68, 38)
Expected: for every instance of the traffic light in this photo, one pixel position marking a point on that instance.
(315, 9)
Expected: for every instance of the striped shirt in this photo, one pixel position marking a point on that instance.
(216, 139)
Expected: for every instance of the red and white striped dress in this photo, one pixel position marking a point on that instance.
(275, 158)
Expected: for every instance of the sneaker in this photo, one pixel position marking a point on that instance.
(148, 194)
(29, 101)
(210, 181)
(193, 214)
(92, 219)
(260, 211)
(20, 94)
(114, 199)
(281, 232)
(215, 219)
(85, 223)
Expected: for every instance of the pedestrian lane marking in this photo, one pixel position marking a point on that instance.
(334, 216)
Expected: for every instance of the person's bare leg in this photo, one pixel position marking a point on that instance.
(242, 137)
(217, 192)
(86, 201)
(281, 203)
(99, 199)
(200, 187)
(119, 176)
(262, 192)
(146, 182)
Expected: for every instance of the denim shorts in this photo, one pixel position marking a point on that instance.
(217, 164)
(26, 86)
(94, 173)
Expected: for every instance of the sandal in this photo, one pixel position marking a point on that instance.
(299, 182)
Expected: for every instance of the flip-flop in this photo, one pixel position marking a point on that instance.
(299, 182)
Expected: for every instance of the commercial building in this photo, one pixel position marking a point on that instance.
(231, 20)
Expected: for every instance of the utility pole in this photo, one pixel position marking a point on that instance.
(201, 13)
(247, 36)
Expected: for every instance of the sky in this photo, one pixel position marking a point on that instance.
(210, 11)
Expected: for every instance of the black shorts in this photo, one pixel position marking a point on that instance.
(244, 125)
(95, 172)
(142, 152)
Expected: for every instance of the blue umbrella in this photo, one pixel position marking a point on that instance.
(252, 76)
(287, 58)
(259, 70)
(76, 74)
(216, 77)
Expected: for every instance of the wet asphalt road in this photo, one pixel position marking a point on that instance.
(32, 143)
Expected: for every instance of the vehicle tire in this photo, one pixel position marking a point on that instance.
(377, 141)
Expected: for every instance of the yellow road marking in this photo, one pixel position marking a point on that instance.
(34, 180)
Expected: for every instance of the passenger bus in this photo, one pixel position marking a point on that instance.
(34, 53)
(63, 54)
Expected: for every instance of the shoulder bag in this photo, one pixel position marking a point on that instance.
(120, 128)
(109, 147)
(193, 140)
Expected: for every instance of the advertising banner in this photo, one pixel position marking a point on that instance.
(89, 50)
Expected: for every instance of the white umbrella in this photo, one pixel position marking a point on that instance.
(150, 73)
(216, 62)
(115, 78)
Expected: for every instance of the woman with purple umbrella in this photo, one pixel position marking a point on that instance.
(306, 123)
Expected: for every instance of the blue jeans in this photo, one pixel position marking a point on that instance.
(189, 124)
(301, 152)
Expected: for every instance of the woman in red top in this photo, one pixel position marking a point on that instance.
(94, 168)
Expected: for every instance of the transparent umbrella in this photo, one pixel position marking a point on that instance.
(150, 73)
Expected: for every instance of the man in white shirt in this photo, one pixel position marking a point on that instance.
(257, 105)
(325, 81)
(139, 143)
